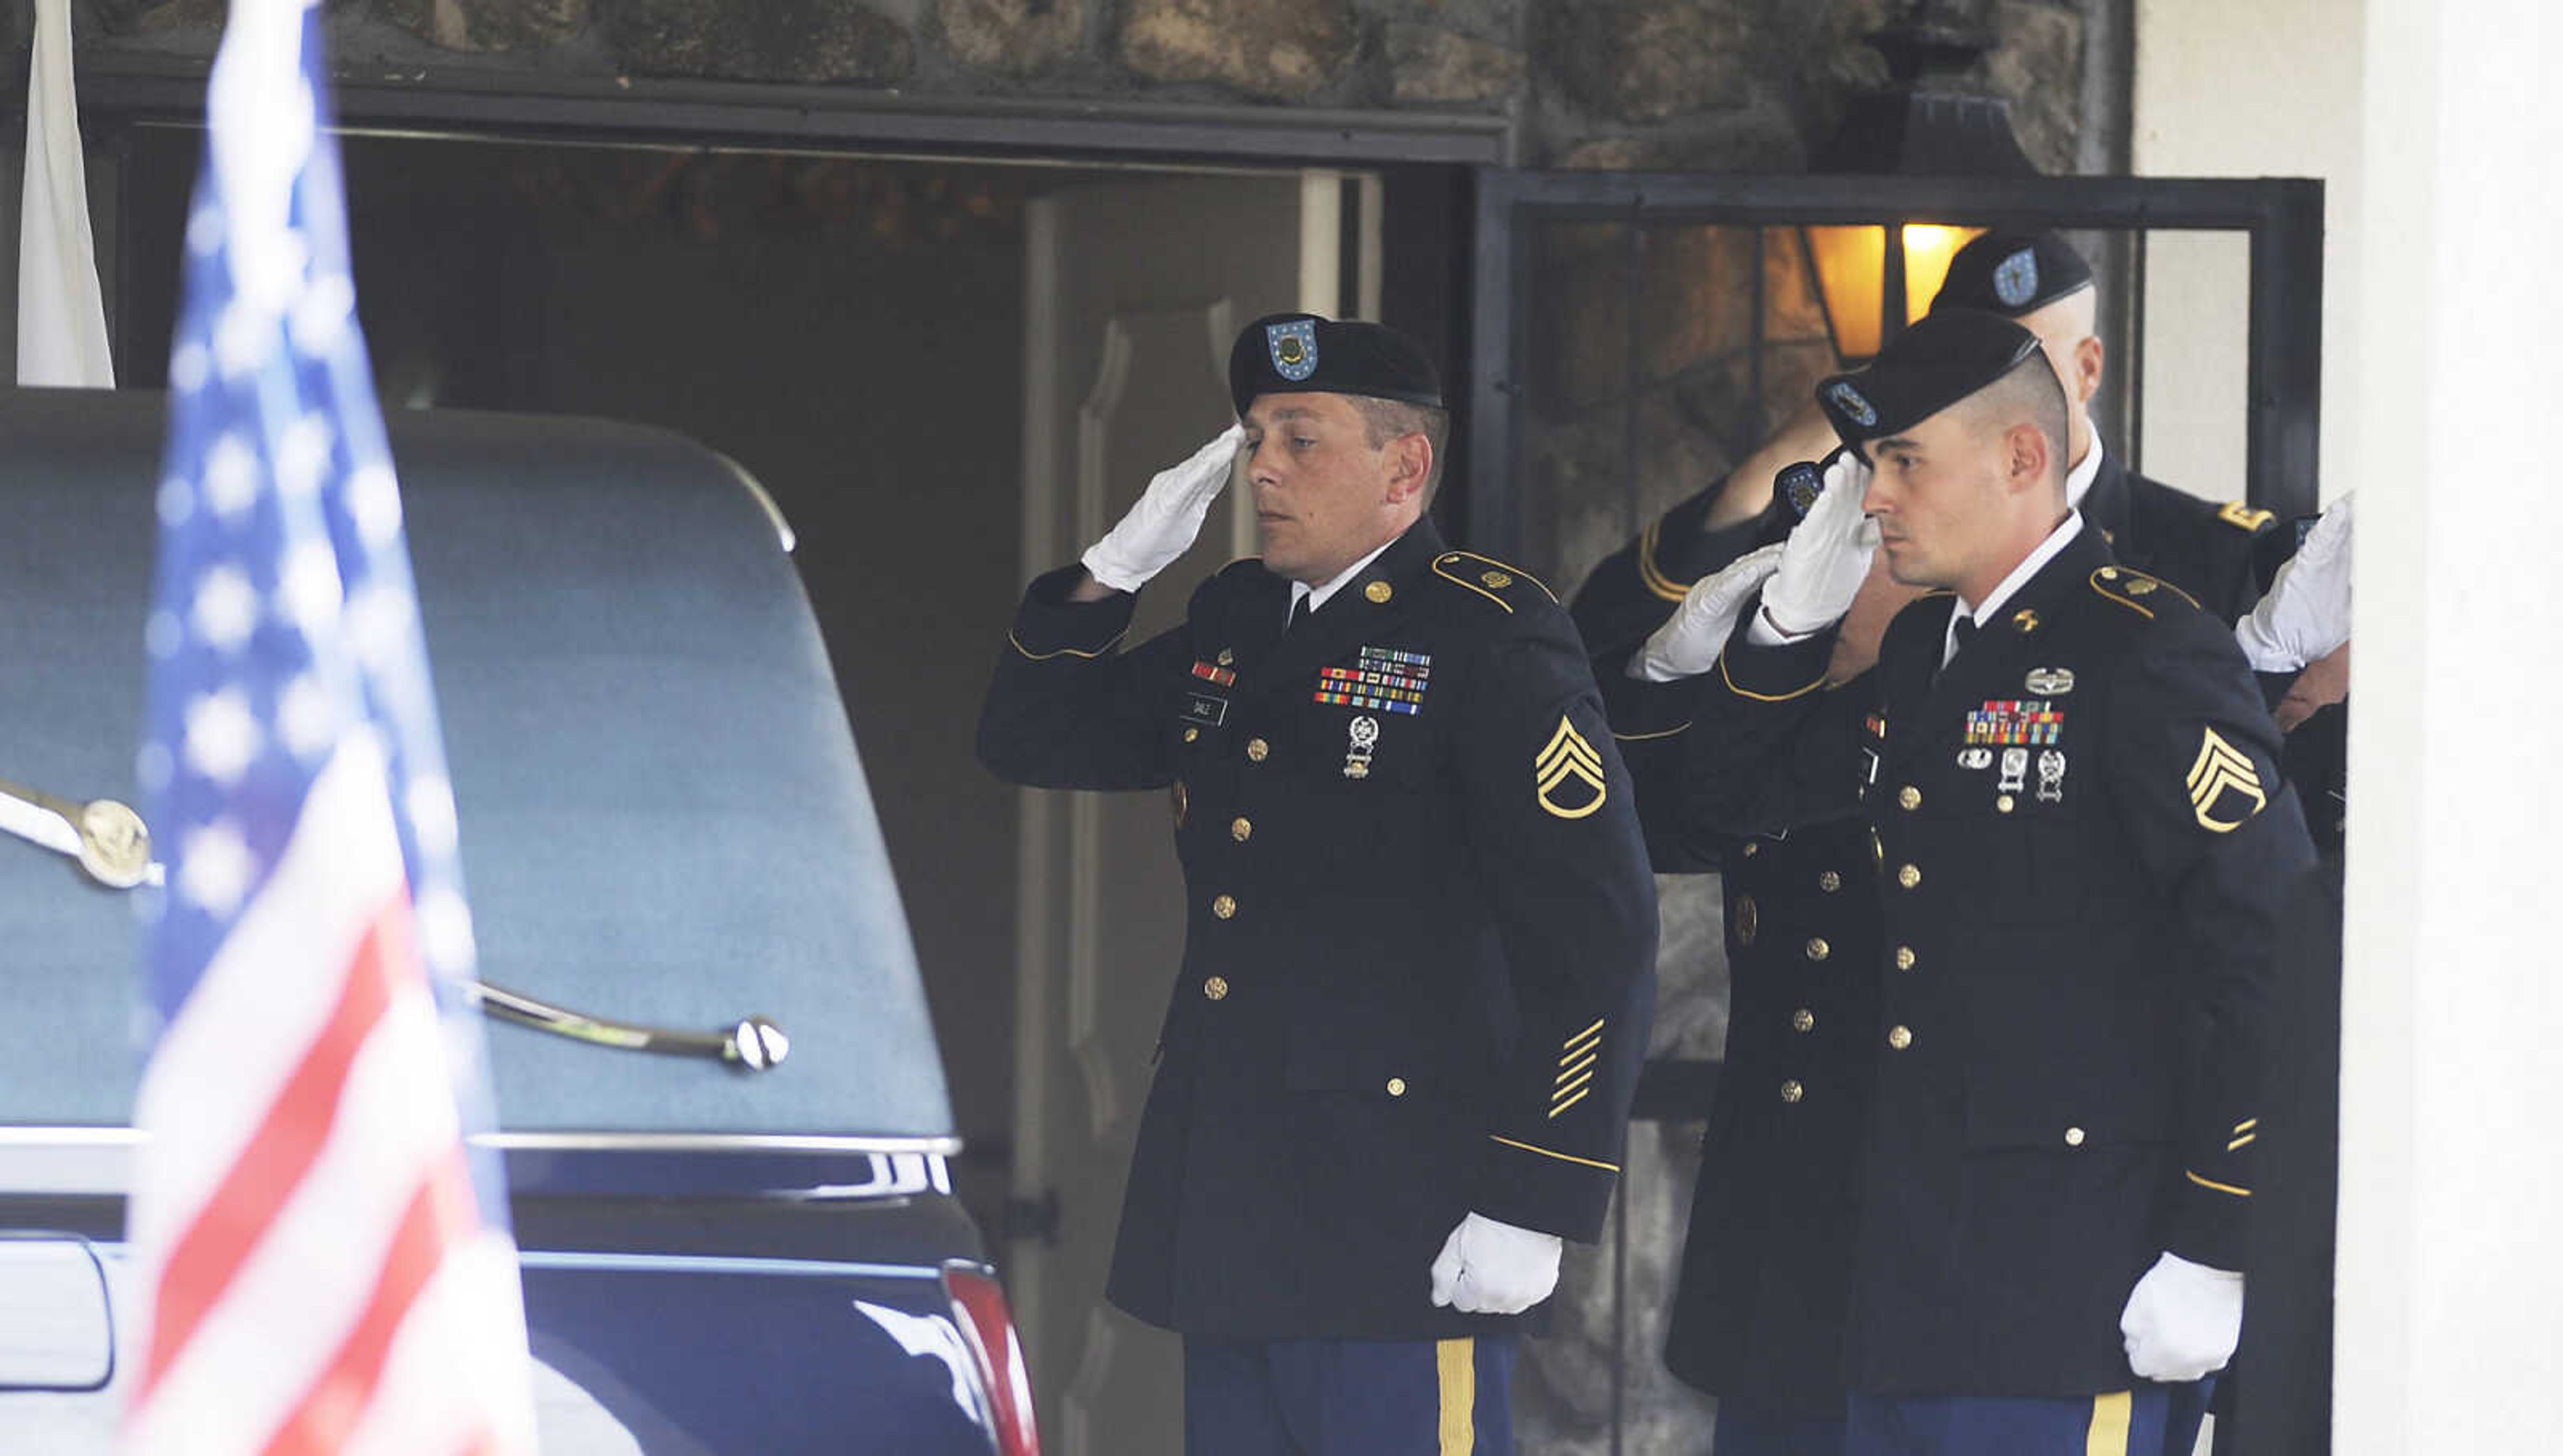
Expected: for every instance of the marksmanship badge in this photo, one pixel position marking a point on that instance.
(1365, 737)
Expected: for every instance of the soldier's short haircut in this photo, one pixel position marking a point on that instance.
(1385, 419)
(2028, 393)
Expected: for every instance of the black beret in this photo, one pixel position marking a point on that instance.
(2012, 274)
(1947, 356)
(1301, 353)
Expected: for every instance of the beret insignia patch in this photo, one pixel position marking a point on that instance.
(1294, 347)
(1800, 485)
(1569, 773)
(1851, 403)
(2224, 779)
(2016, 279)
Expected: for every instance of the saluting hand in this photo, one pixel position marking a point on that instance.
(1488, 1267)
(1168, 515)
(2183, 1320)
(2305, 615)
(1689, 642)
(1825, 558)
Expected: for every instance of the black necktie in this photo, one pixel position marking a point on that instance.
(1299, 614)
(1961, 633)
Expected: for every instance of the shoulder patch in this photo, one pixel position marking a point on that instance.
(2244, 518)
(2135, 590)
(1488, 577)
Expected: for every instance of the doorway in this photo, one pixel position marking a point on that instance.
(950, 374)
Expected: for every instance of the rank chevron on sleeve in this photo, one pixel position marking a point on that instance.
(1569, 757)
(2221, 769)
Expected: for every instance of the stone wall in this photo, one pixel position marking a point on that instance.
(1722, 83)
(1715, 85)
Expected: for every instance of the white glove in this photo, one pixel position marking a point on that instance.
(1492, 1268)
(1689, 642)
(1161, 526)
(1825, 558)
(2307, 614)
(2183, 1320)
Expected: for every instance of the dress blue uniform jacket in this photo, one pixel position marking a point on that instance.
(1419, 943)
(1757, 1310)
(2084, 852)
(2205, 549)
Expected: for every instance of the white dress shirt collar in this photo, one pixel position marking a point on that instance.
(1317, 595)
(2077, 482)
(1983, 612)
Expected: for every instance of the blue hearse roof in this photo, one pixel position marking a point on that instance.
(663, 815)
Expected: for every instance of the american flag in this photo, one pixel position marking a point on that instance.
(327, 1262)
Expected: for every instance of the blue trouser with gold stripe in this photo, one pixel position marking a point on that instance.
(2149, 1420)
(1348, 1398)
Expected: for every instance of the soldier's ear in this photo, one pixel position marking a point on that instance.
(2026, 455)
(1409, 465)
(2091, 357)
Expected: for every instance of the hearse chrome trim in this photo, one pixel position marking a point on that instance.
(73, 1162)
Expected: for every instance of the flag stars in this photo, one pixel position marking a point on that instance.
(430, 814)
(445, 930)
(244, 337)
(373, 498)
(320, 315)
(231, 477)
(205, 231)
(307, 717)
(189, 367)
(302, 457)
(215, 869)
(377, 620)
(222, 736)
(310, 592)
(226, 608)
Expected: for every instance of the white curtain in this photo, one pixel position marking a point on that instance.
(62, 319)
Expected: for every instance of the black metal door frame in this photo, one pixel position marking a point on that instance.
(2283, 218)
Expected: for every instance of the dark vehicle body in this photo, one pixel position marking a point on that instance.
(664, 821)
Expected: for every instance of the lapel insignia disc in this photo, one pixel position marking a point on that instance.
(2025, 619)
(1569, 761)
(2223, 778)
(2050, 681)
(1379, 592)
(1365, 737)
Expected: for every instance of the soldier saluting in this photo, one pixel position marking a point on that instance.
(2084, 851)
(1418, 967)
